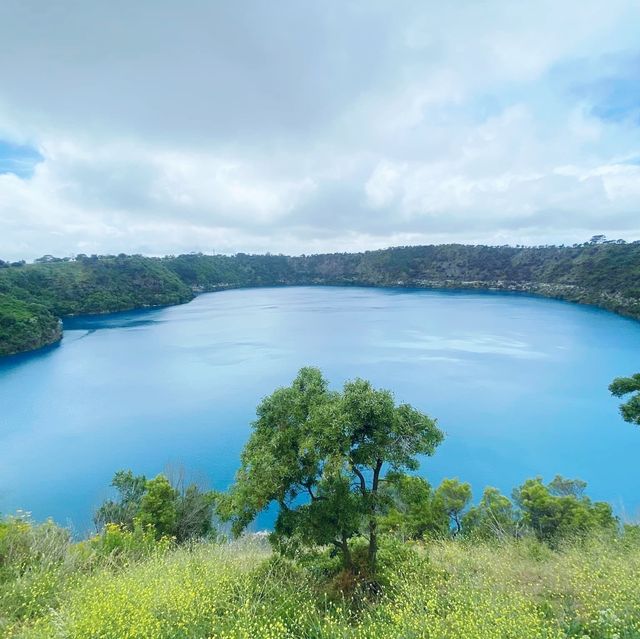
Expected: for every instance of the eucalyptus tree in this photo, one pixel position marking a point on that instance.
(321, 456)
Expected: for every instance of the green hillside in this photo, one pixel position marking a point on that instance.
(25, 326)
(603, 274)
(34, 296)
(95, 285)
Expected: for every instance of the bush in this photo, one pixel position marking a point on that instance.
(184, 512)
(25, 545)
(122, 545)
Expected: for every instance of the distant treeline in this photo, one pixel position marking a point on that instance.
(600, 272)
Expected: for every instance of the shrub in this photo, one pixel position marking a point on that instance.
(120, 544)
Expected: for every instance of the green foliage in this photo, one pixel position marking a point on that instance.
(125, 582)
(25, 326)
(24, 545)
(184, 512)
(454, 497)
(194, 514)
(493, 517)
(126, 507)
(328, 448)
(40, 564)
(36, 561)
(563, 487)
(33, 296)
(553, 517)
(95, 284)
(551, 513)
(413, 511)
(446, 589)
(158, 506)
(622, 386)
(119, 542)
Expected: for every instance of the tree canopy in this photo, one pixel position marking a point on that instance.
(182, 511)
(552, 516)
(622, 386)
(322, 455)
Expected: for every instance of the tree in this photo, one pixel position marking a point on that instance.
(492, 517)
(561, 487)
(194, 513)
(130, 490)
(622, 386)
(153, 502)
(454, 497)
(554, 517)
(321, 456)
(412, 509)
(158, 506)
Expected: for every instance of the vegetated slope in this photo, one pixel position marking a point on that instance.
(35, 295)
(95, 285)
(607, 275)
(604, 274)
(25, 326)
(449, 589)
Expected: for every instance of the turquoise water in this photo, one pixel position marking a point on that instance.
(518, 383)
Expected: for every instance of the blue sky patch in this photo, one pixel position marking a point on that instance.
(18, 159)
(612, 87)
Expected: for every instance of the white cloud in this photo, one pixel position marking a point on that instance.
(301, 127)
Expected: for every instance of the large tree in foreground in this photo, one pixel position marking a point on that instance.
(622, 386)
(322, 456)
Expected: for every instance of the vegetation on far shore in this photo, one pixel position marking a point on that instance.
(26, 326)
(598, 272)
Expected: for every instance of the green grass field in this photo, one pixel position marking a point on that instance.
(449, 589)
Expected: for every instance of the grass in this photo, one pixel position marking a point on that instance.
(439, 590)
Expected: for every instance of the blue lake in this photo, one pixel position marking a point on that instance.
(518, 383)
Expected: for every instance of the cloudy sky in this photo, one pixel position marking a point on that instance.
(303, 126)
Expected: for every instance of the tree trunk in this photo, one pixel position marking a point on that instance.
(373, 524)
(347, 560)
(373, 545)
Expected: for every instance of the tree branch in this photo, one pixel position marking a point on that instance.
(376, 475)
(283, 505)
(363, 483)
(310, 491)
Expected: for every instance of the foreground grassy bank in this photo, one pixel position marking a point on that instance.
(447, 589)
(600, 273)
(550, 564)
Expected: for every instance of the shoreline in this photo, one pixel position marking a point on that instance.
(609, 302)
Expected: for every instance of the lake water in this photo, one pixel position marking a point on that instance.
(518, 383)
